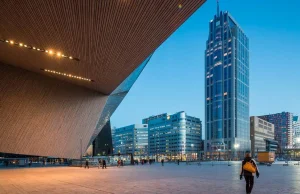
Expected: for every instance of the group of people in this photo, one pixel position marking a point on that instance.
(120, 163)
(100, 163)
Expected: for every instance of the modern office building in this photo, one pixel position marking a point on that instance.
(132, 139)
(226, 86)
(261, 135)
(65, 66)
(296, 132)
(176, 136)
(283, 123)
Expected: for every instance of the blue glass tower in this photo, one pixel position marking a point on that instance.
(226, 86)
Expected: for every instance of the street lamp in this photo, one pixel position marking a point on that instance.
(236, 146)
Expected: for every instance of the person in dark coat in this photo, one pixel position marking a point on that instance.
(249, 176)
(99, 163)
(103, 164)
(86, 164)
(162, 162)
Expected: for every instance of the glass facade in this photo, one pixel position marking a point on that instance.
(227, 86)
(296, 134)
(116, 97)
(132, 139)
(175, 136)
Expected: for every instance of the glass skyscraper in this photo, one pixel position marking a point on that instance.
(226, 86)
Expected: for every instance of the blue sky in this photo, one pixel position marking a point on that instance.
(173, 80)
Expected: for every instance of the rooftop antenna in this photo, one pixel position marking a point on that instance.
(218, 9)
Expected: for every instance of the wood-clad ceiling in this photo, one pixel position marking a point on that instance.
(110, 37)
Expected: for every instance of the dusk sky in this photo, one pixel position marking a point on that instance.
(173, 80)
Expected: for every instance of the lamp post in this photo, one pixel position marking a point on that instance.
(228, 155)
(81, 152)
(236, 146)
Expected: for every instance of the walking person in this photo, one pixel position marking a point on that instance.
(122, 163)
(103, 164)
(86, 164)
(99, 163)
(178, 161)
(249, 168)
(162, 162)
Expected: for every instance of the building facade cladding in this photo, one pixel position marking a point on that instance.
(261, 132)
(41, 113)
(296, 128)
(131, 139)
(227, 85)
(283, 123)
(175, 134)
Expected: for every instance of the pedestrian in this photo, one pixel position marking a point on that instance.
(150, 161)
(103, 164)
(122, 163)
(162, 162)
(86, 164)
(119, 163)
(99, 163)
(30, 162)
(178, 161)
(249, 168)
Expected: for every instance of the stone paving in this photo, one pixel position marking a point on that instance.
(171, 178)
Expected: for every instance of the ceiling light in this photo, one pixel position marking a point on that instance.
(67, 75)
(51, 52)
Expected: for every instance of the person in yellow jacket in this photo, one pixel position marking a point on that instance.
(249, 169)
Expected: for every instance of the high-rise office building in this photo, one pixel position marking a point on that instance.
(176, 136)
(226, 86)
(132, 139)
(262, 136)
(296, 128)
(283, 123)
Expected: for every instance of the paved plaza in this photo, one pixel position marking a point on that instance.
(171, 178)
